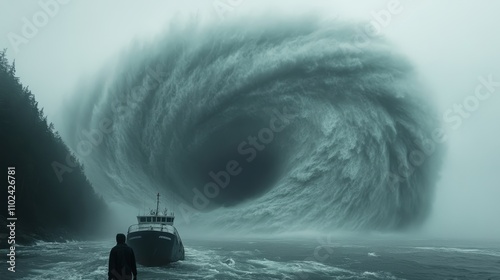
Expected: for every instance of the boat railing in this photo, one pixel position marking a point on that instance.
(152, 227)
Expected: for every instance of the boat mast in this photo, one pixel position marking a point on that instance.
(157, 203)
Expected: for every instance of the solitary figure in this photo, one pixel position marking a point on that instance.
(121, 261)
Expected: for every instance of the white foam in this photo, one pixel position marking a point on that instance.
(460, 250)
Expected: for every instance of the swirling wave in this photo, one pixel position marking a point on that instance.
(306, 122)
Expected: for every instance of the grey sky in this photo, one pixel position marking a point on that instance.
(452, 43)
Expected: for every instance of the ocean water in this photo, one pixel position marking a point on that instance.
(273, 259)
(340, 125)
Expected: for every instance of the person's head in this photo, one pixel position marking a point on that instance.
(120, 238)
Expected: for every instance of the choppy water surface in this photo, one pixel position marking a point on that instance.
(271, 259)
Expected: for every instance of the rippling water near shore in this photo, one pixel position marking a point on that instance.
(274, 259)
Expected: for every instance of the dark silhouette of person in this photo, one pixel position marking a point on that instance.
(121, 264)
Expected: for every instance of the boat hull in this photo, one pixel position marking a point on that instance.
(155, 248)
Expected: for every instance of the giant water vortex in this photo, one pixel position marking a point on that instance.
(269, 125)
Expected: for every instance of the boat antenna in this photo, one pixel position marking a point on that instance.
(157, 202)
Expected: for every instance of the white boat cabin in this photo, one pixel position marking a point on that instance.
(153, 218)
(157, 217)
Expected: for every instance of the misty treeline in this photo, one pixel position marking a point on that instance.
(46, 208)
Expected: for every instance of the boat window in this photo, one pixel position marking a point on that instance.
(143, 219)
(149, 219)
(162, 220)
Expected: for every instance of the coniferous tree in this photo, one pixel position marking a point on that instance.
(46, 208)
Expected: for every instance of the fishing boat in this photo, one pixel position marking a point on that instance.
(154, 238)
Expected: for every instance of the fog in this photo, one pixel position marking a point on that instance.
(453, 45)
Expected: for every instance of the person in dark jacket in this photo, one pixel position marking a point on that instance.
(121, 261)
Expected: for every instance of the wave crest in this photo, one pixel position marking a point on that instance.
(334, 121)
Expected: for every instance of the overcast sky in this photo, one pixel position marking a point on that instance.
(452, 43)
